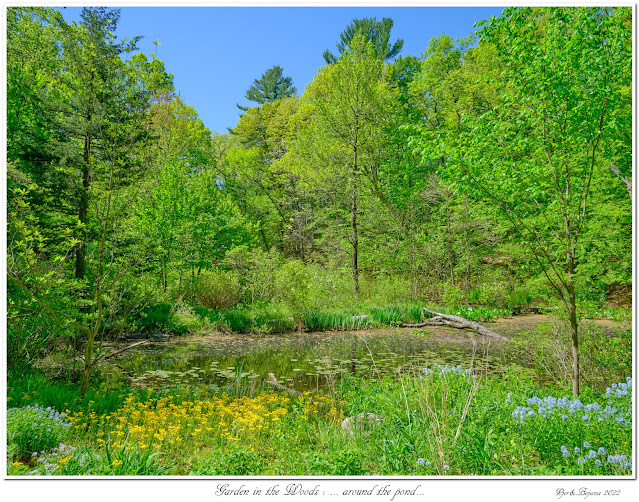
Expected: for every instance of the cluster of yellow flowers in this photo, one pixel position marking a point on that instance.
(173, 419)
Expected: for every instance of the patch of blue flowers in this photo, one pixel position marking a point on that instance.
(438, 370)
(426, 463)
(567, 408)
(50, 462)
(599, 458)
(34, 428)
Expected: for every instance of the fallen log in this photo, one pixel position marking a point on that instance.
(458, 322)
(125, 348)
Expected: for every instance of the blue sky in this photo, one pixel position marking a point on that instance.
(216, 52)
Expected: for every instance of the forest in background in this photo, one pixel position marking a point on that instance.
(493, 171)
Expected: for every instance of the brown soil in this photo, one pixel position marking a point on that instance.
(619, 296)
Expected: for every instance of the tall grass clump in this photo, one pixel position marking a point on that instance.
(397, 314)
(445, 396)
(263, 318)
(317, 320)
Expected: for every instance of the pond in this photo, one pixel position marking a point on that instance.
(311, 361)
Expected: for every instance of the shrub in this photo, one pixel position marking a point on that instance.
(30, 333)
(519, 298)
(34, 429)
(330, 288)
(387, 289)
(155, 317)
(216, 289)
(257, 270)
(452, 295)
(601, 356)
(184, 319)
(293, 287)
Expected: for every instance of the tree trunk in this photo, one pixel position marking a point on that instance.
(456, 322)
(355, 245)
(354, 224)
(627, 181)
(83, 209)
(164, 277)
(88, 364)
(572, 314)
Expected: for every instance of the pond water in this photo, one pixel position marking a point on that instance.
(310, 361)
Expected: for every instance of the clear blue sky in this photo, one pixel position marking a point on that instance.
(215, 53)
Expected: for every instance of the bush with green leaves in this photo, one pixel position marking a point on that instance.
(387, 289)
(293, 287)
(216, 289)
(603, 356)
(256, 269)
(452, 295)
(185, 319)
(34, 429)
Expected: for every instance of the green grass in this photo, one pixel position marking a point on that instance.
(455, 423)
(398, 314)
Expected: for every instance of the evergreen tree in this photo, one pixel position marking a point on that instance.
(374, 31)
(271, 86)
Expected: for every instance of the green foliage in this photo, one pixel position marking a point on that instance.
(452, 295)
(318, 320)
(387, 289)
(256, 269)
(33, 429)
(271, 86)
(163, 317)
(233, 462)
(82, 461)
(376, 32)
(397, 314)
(341, 463)
(216, 289)
(293, 286)
(603, 357)
(260, 318)
(184, 319)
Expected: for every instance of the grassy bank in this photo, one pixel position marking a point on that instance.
(451, 421)
(266, 318)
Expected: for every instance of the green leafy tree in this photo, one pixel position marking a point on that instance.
(91, 104)
(343, 115)
(533, 153)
